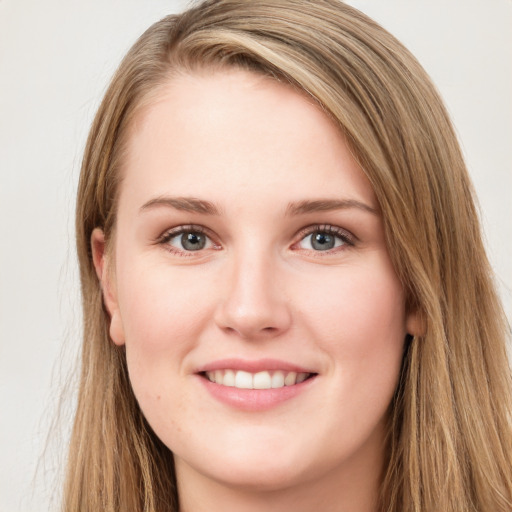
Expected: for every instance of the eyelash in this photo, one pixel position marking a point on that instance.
(348, 240)
(181, 230)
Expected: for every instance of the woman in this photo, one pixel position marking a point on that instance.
(287, 304)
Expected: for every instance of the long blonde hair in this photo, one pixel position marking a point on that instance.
(450, 433)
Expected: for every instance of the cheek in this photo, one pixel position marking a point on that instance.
(163, 323)
(363, 303)
(161, 309)
(163, 314)
(360, 323)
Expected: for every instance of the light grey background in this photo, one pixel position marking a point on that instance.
(56, 58)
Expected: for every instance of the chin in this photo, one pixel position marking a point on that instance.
(257, 466)
(267, 478)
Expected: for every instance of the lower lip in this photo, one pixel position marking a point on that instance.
(254, 399)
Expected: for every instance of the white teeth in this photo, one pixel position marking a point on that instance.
(290, 379)
(261, 380)
(243, 380)
(278, 380)
(228, 379)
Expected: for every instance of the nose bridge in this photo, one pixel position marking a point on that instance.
(254, 302)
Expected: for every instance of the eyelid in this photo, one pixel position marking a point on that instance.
(348, 238)
(170, 233)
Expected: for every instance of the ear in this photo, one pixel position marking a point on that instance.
(415, 323)
(108, 288)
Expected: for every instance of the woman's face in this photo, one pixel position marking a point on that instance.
(264, 324)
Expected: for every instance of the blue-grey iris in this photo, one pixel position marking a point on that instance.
(193, 241)
(322, 241)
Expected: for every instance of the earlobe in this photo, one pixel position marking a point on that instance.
(99, 257)
(415, 324)
(116, 328)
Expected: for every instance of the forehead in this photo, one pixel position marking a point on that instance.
(216, 131)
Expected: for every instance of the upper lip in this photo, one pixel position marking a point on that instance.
(253, 366)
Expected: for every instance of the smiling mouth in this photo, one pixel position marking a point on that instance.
(261, 380)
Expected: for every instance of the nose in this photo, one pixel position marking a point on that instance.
(254, 303)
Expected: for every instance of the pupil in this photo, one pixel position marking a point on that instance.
(322, 241)
(193, 241)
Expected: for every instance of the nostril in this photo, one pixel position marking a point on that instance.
(252, 318)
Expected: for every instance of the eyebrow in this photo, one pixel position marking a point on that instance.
(187, 204)
(322, 205)
(192, 204)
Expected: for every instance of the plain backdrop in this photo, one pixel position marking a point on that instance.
(56, 57)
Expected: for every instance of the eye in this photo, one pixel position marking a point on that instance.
(325, 238)
(189, 241)
(186, 239)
